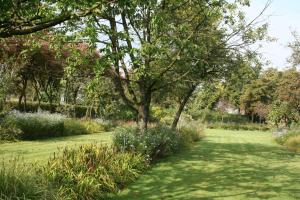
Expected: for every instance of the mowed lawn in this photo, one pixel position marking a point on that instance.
(226, 165)
(40, 150)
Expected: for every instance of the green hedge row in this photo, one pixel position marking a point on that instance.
(237, 126)
(216, 117)
(30, 126)
(77, 111)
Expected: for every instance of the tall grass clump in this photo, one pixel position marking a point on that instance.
(9, 132)
(36, 125)
(92, 171)
(191, 132)
(18, 181)
(30, 126)
(282, 138)
(291, 140)
(74, 127)
(293, 143)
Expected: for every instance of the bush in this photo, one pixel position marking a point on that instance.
(78, 110)
(9, 133)
(282, 139)
(36, 125)
(22, 182)
(105, 124)
(81, 127)
(31, 126)
(293, 143)
(155, 143)
(93, 172)
(191, 133)
(74, 127)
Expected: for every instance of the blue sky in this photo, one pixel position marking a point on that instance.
(283, 17)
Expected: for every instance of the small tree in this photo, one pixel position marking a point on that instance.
(261, 110)
(283, 113)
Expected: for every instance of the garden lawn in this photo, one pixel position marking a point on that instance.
(225, 165)
(40, 150)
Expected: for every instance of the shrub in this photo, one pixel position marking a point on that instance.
(78, 110)
(22, 182)
(30, 126)
(155, 143)
(74, 127)
(293, 143)
(36, 125)
(9, 132)
(282, 139)
(105, 124)
(93, 172)
(191, 132)
(81, 127)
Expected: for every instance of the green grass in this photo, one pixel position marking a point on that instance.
(225, 165)
(40, 150)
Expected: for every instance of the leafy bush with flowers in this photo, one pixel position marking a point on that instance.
(155, 143)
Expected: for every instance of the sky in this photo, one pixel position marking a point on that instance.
(283, 17)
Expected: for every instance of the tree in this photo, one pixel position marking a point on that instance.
(246, 69)
(295, 47)
(283, 112)
(286, 109)
(288, 89)
(150, 46)
(260, 91)
(164, 31)
(261, 110)
(19, 17)
(42, 65)
(223, 48)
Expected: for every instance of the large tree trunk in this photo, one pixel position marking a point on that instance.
(23, 95)
(20, 102)
(182, 105)
(144, 109)
(144, 117)
(25, 102)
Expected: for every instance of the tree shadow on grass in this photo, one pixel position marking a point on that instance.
(222, 171)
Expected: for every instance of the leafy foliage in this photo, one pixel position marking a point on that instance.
(156, 142)
(283, 112)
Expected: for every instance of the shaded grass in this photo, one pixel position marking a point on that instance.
(225, 165)
(40, 150)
